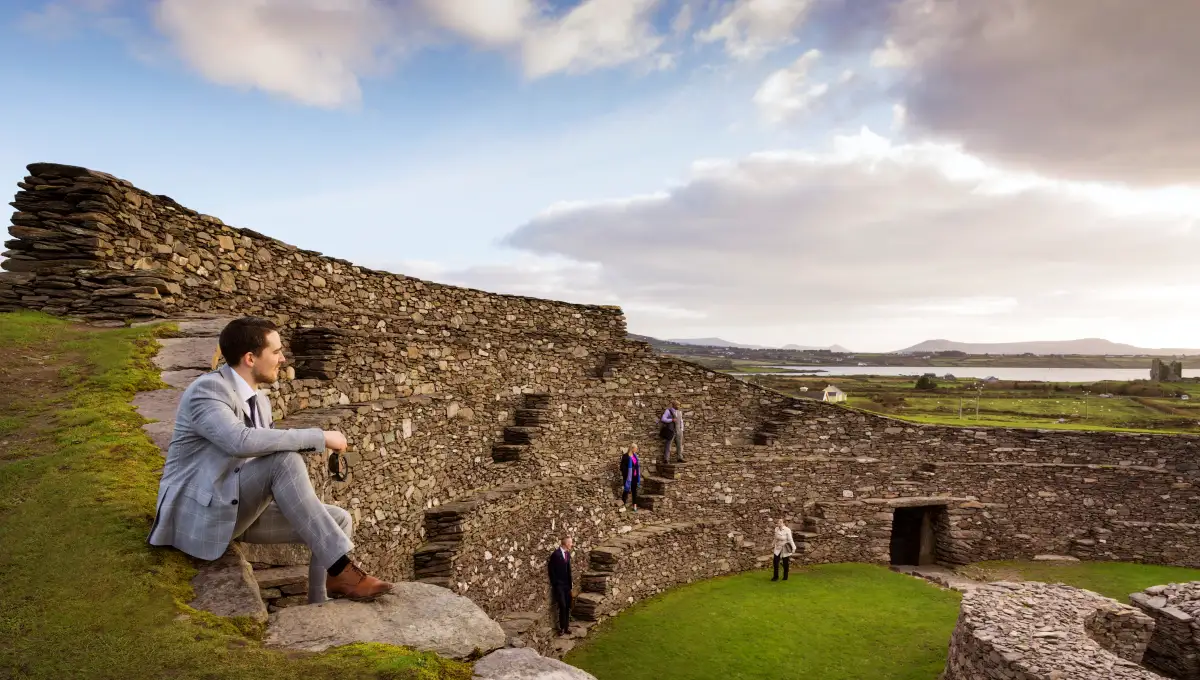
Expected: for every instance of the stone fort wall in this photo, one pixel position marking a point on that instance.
(482, 426)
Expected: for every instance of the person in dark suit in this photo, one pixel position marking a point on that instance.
(559, 567)
(631, 475)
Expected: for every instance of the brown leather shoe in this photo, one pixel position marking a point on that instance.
(354, 584)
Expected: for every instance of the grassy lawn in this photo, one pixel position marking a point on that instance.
(1114, 579)
(82, 595)
(1136, 406)
(828, 622)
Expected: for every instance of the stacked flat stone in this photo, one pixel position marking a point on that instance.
(65, 254)
(1175, 647)
(645, 561)
(319, 353)
(1041, 631)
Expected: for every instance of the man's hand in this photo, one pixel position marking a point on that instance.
(335, 440)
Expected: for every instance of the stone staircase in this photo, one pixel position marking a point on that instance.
(600, 597)
(655, 486)
(445, 527)
(282, 587)
(769, 432)
(527, 425)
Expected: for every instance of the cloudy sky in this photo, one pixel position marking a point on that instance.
(871, 173)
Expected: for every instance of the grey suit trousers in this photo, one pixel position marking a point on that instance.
(278, 505)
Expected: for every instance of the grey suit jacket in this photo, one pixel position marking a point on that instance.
(198, 495)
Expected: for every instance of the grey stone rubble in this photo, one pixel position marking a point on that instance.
(525, 664)
(1175, 647)
(1040, 631)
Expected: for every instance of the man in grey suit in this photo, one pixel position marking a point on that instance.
(228, 475)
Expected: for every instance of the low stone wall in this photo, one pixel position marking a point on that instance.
(1039, 631)
(1138, 541)
(656, 557)
(83, 235)
(1175, 647)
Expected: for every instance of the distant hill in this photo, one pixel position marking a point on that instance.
(1084, 346)
(831, 348)
(713, 342)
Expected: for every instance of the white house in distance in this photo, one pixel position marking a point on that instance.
(832, 393)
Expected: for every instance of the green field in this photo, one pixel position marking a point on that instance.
(1132, 406)
(82, 595)
(1112, 579)
(828, 622)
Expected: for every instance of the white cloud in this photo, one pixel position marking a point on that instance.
(1086, 89)
(313, 51)
(787, 93)
(922, 235)
(751, 28)
(317, 51)
(595, 34)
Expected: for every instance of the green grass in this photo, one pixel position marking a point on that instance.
(828, 622)
(1113, 579)
(1136, 406)
(81, 594)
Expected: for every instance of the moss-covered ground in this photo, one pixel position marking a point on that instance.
(82, 595)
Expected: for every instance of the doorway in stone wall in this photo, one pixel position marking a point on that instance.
(914, 539)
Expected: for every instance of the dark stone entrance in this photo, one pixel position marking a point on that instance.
(913, 538)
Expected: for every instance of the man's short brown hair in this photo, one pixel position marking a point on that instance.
(247, 334)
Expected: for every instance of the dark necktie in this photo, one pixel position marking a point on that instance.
(252, 419)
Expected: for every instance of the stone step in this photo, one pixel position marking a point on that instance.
(802, 536)
(537, 401)
(516, 434)
(764, 438)
(507, 453)
(668, 470)
(595, 582)
(281, 576)
(773, 426)
(587, 606)
(434, 559)
(531, 417)
(656, 485)
(651, 501)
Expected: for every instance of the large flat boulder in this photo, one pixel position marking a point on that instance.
(416, 615)
(226, 587)
(525, 664)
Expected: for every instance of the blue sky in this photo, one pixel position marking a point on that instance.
(752, 136)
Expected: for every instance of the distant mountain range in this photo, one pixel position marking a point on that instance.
(712, 342)
(1084, 346)
(831, 348)
(720, 342)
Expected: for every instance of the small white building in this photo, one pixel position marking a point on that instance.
(833, 394)
(1185, 397)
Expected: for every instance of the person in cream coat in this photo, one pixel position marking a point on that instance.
(783, 549)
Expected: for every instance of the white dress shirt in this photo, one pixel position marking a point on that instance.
(245, 392)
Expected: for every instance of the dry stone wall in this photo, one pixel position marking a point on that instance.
(93, 235)
(1174, 648)
(450, 396)
(1039, 631)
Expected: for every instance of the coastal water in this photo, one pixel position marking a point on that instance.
(1074, 375)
